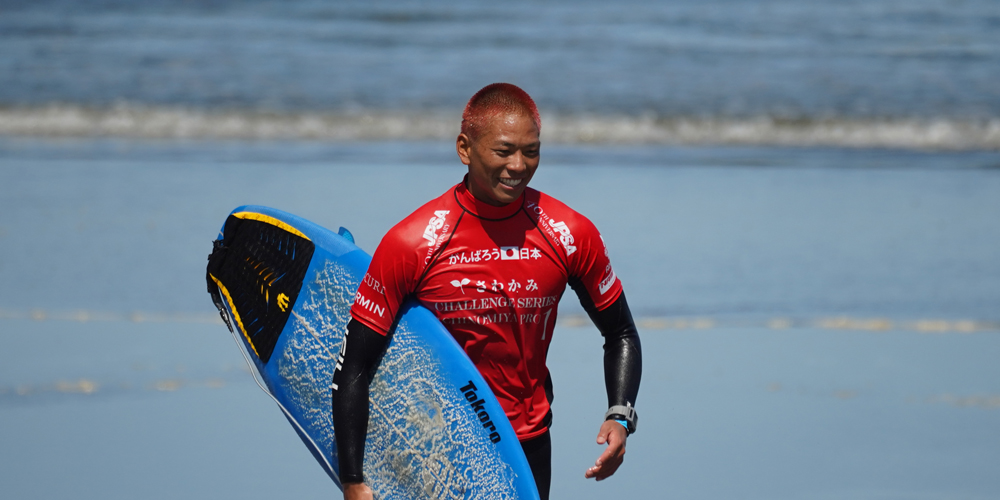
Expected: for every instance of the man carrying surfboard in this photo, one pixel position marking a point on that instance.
(491, 258)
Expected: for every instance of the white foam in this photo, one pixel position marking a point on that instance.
(946, 134)
(134, 121)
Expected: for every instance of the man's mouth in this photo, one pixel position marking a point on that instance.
(510, 182)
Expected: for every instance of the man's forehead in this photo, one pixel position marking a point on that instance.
(511, 116)
(507, 140)
(509, 124)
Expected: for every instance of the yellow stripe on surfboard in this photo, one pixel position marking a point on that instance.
(269, 220)
(236, 314)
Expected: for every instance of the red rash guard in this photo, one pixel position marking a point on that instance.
(493, 276)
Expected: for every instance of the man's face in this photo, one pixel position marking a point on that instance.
(502, 159)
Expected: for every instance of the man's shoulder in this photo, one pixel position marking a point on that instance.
(548, 208)
(425, 223)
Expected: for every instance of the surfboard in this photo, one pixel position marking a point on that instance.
(285, 286)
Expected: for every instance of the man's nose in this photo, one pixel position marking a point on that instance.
(517, 163)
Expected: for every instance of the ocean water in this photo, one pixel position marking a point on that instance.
(888, 73)
(802, 202)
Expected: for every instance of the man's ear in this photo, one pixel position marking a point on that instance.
(464, 147)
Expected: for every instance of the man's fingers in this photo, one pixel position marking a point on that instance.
(610, 453)
(607, 463)
(614, 450)
(603, 470)
(593, 471)
(613, 434)
(357, 491)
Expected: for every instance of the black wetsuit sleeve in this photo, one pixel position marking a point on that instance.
(359, 358)
(622, 350)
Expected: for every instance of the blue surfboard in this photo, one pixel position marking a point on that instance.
(285, 287)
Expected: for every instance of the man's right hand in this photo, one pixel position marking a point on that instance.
(357, 491)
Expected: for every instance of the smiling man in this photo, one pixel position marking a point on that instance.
(492, 237)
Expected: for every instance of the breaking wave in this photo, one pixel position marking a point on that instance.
(136, 121)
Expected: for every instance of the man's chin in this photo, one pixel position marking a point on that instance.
(505, 198)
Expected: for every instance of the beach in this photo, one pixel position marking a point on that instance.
(823, 329)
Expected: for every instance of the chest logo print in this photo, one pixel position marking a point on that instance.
(492, 254)
(510, 253)
(460, 284)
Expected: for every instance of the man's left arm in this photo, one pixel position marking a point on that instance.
(622, 373)
(601, 294)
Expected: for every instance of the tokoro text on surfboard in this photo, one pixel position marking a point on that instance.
(478, 407)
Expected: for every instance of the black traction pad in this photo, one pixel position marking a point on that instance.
(261, 267)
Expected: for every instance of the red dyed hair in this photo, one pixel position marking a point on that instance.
(493, 100)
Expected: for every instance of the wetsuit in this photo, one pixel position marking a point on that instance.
(494, 277)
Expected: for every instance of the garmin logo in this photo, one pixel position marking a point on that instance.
(477, 406)
(370, 305)
(436, 222)
(608, 281)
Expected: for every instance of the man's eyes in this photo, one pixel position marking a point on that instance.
(531, 153)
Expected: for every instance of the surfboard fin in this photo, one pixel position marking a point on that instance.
(346, 234)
